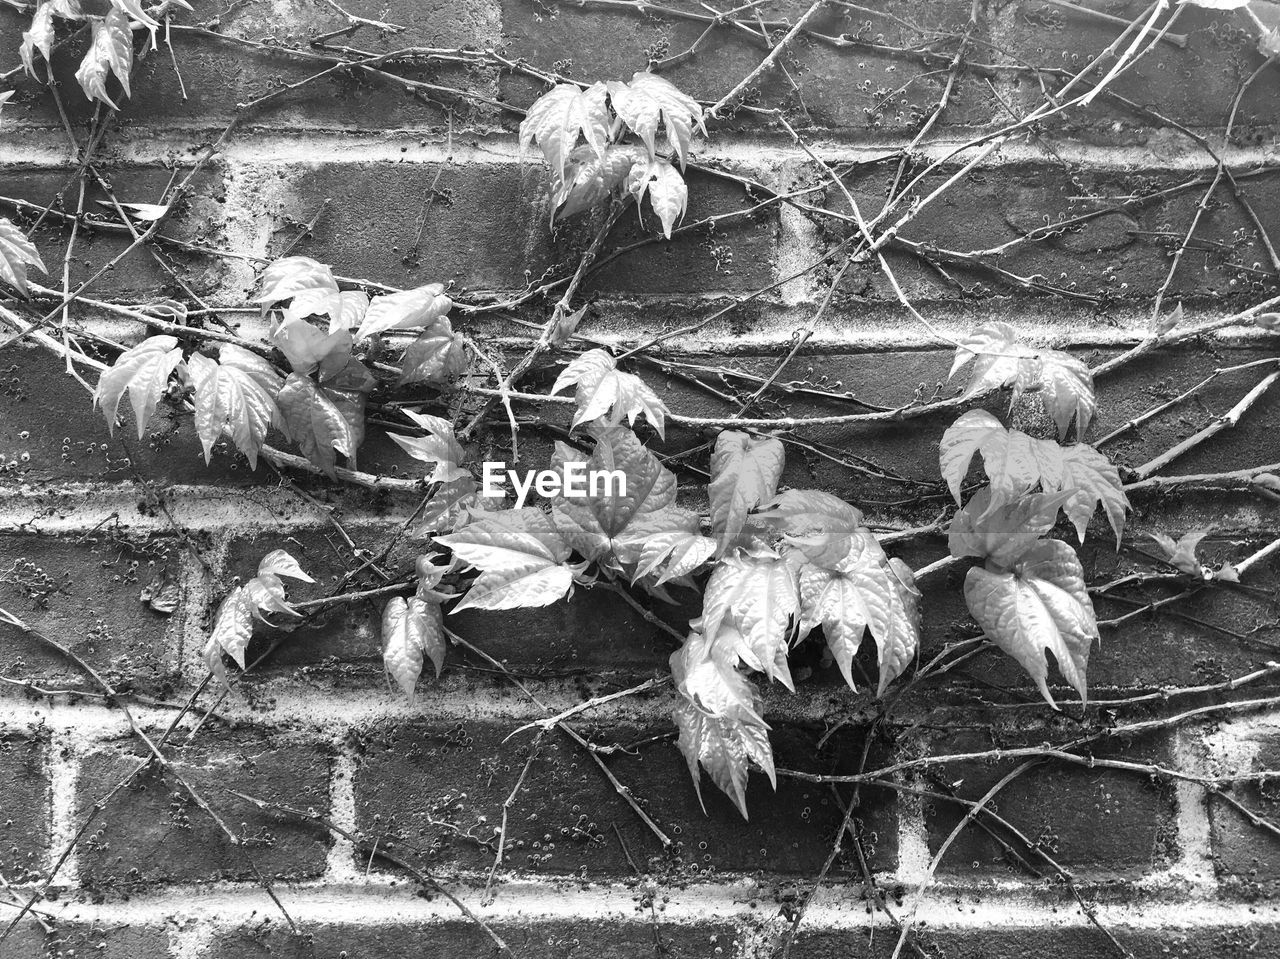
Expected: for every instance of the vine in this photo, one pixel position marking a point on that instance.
(770, 565)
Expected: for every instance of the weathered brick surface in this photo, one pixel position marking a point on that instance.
(439, 791)
(24, 807)
(536, 940)
(1241, 851)
(1104, 821)
(83, 592)
(198, 219)
(152, 831)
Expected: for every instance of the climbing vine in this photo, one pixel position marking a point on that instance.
(771, 567)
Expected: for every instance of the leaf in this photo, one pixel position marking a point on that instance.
(1168, 321)
(1000, 532)
(1182, 554)
(435, 356)
(521, 557)
(591, 178)
(265, 594)
(601, 387)
(307, 347)
(1094, 480)
(407, 310)
(39, 37)
(999, 360)
(440, 447)
(752, 604)
(235, 396)
(211, 656)
(134, 9)
(555, 120)
(163, 593)
(717, 714)
(1040, 604)
(144, 371)
(679, 551)
(16, 254)
(1269, 43)
(233, 626)
(819, 525)
(280, 562)
(866, 591)
(313, 422)
(1014, 462)
(411, 630)
(598, 524)
(292, 276)
(649, 98)
(668, 193)
(110, 51)
(345, 308)
(745, 471)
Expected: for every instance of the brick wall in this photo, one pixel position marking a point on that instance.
(87, 521)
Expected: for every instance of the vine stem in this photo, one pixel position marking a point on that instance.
(767, 63)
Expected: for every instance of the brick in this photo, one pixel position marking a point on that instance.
(853, 86)
(198, 219)
(1095, 819)
(439, 790)
(1051, 941)
(218, 75)
(484, 225)
(1122, 253)
(24, 808)
(84, 592)
(1242, 851)
(153, 832)
(105, 940)
(1195, 85)
(607, 939)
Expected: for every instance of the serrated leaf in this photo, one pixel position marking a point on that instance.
(144, 371)
(439, 447)
(999, 360)
(293, 276)
(344, 308)
(435, 356)
(590, 178)
(110, 51)
(280, 562)
(236, 396)
(819, 525)
(556, 119)
(307, 347)
(1000, 532)
(16, 254)
(1182, 554)
(1015, 462)
(752, 605)
(315, 423)
(521, 557)
(264, 594)
(1269, 43)
(668, 193)
(233, 626)
(1040, 605)
(717, 713)
(211, 656)
(745, 471)
(134, 9)
(597, 524)
(670, 545)
(407, 310)
(412, 630)
(648, 99)
(602, 391)
(865, 591)
(39, 37)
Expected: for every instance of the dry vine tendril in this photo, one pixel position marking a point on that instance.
(772, 565)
